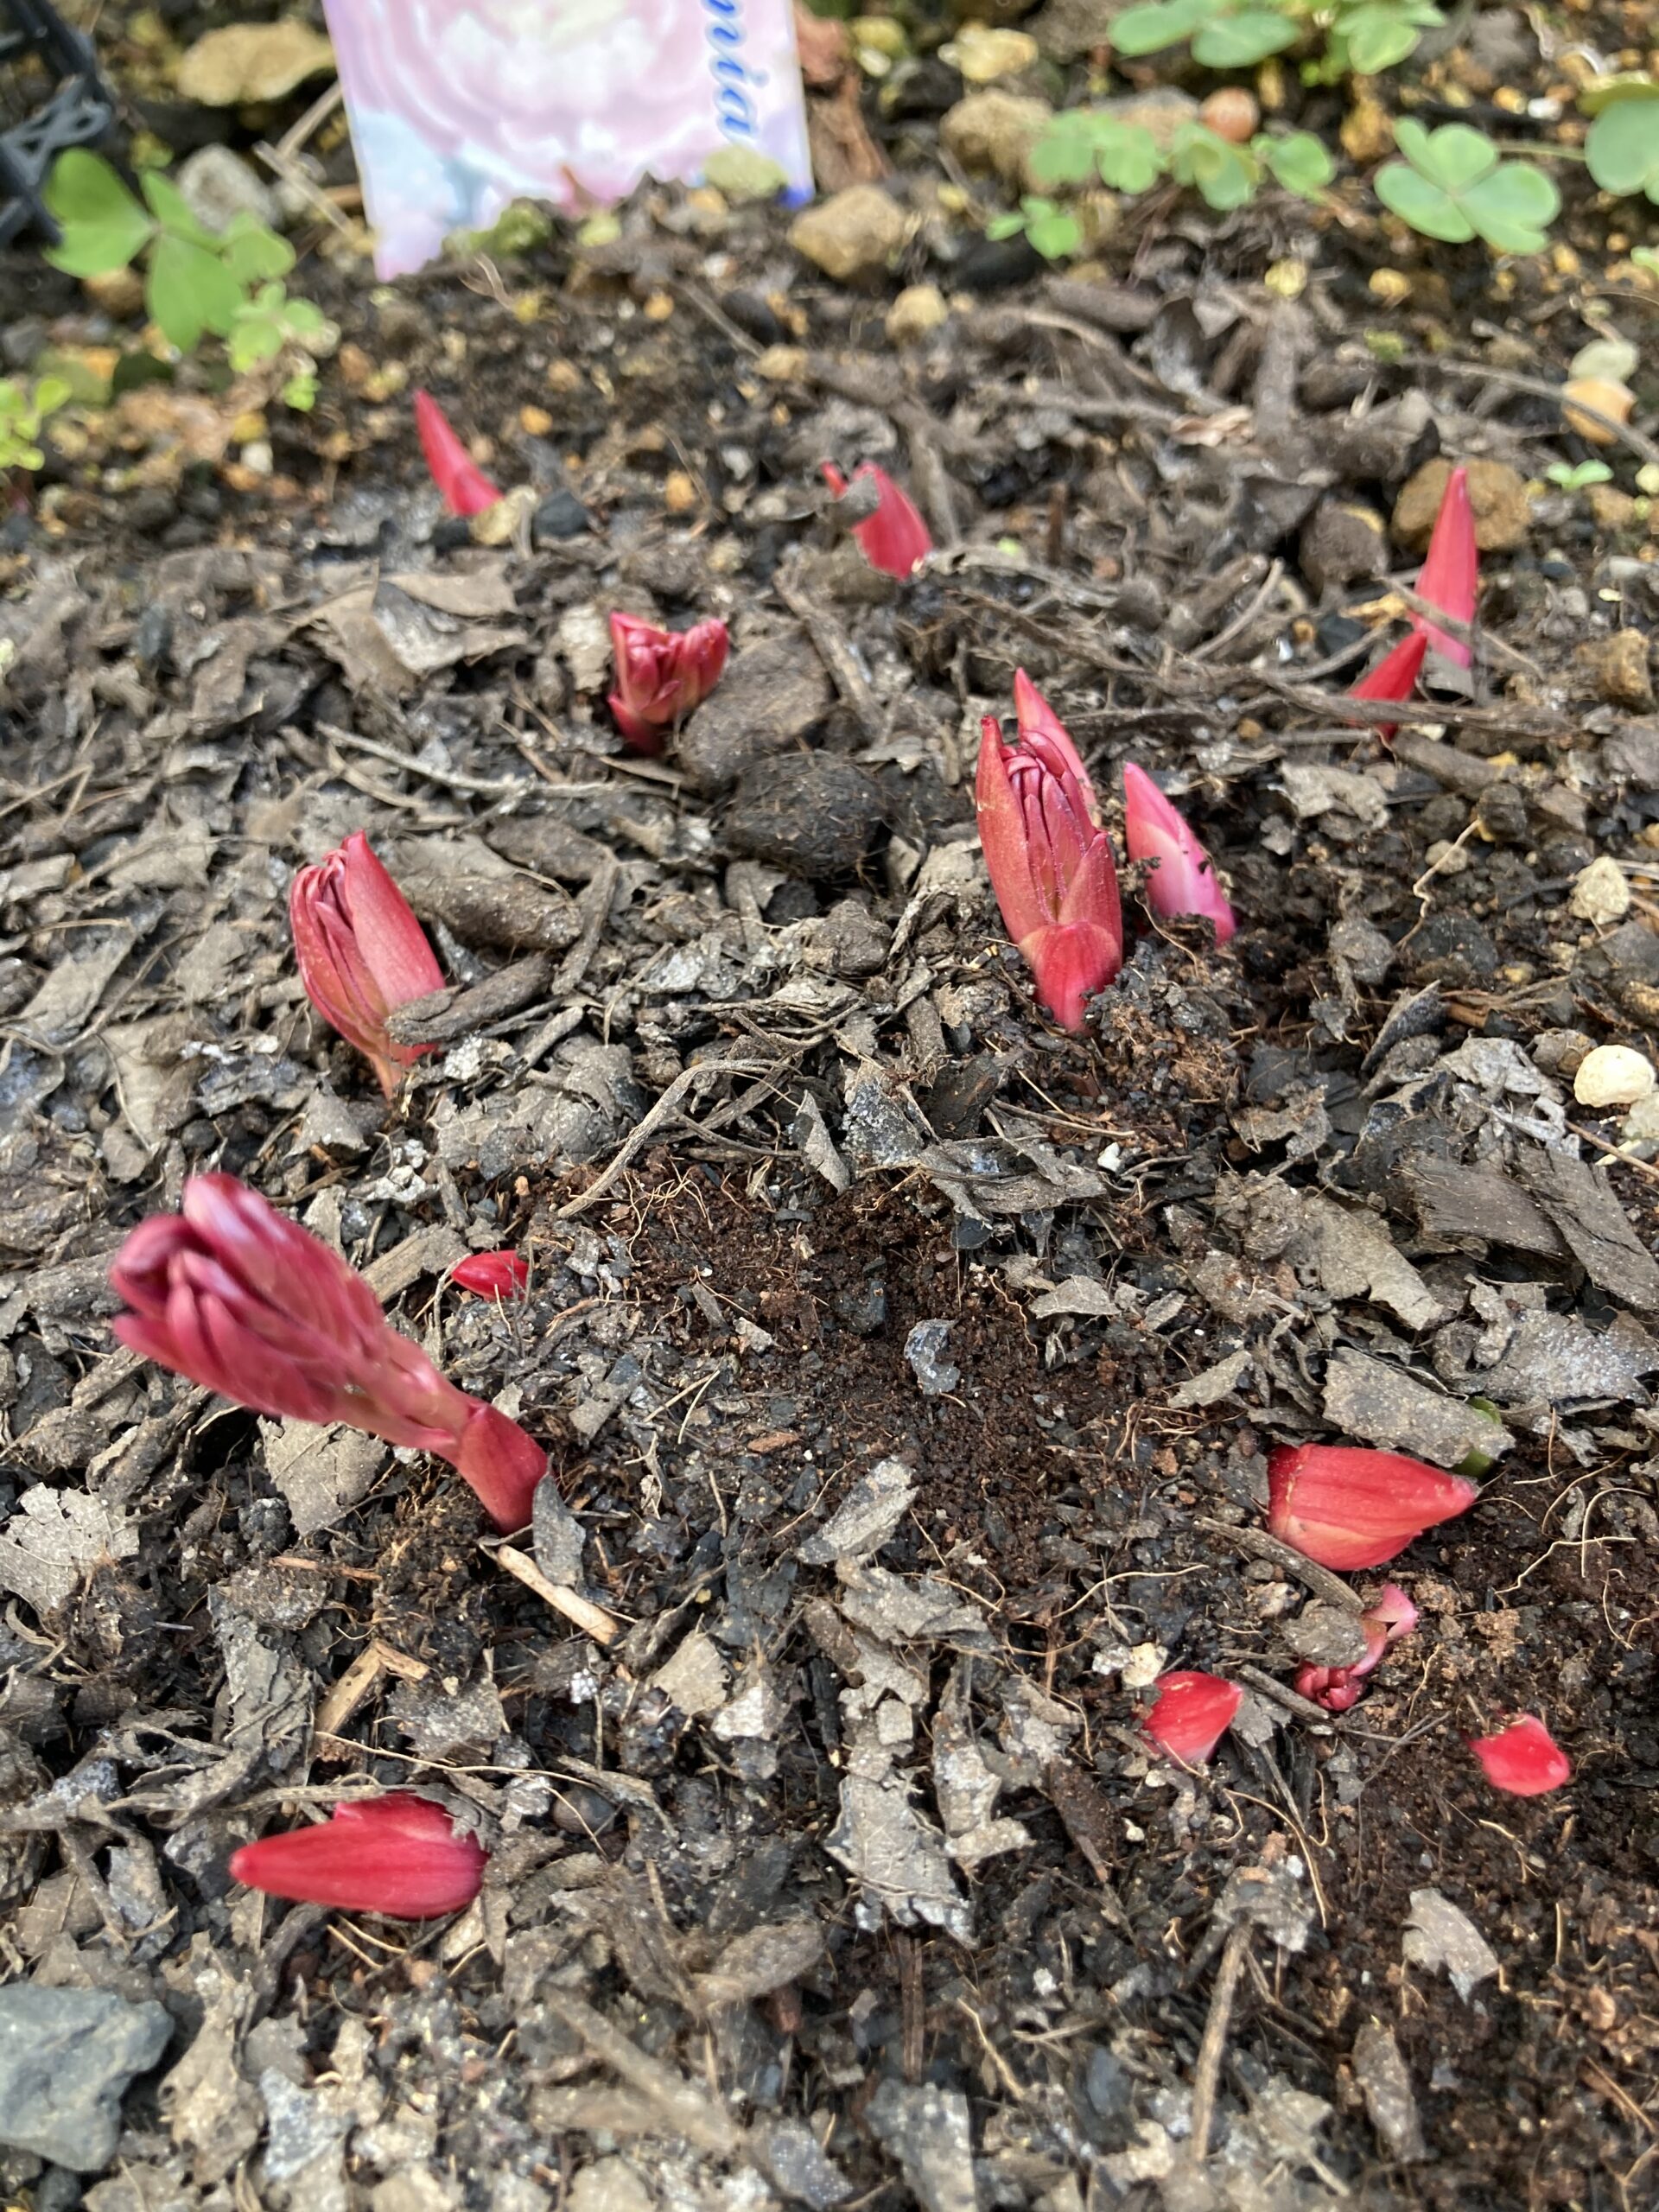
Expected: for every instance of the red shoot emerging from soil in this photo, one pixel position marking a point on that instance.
(1524, 1760)
(239, 1299)
(661, 674)
(1347, 1508)
(492, 1274)
(1336, 1689)
(1050, 860)
(466, 490)
(1449, 578)
(1185, 881)
(1395, 677)
(895, 539)
(361, 952)
(1193, 1711)
(399, 1854)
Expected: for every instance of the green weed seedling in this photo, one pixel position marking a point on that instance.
(1621, 145)
(198, 282)
(1361, 36)
(1082, 146)
(1575, 475)
(1453, 184)
(21, 413)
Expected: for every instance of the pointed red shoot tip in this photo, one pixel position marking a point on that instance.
(465, 488)
(1192, 1712)
(492, 1274)
(1523, 1760)
(398, 1854)
(1183, 879)
(1395, 677)
(1449, 576)
(1347, 1508)
(894, 539)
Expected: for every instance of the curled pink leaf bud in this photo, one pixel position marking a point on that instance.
(361, 952)
(661, 674)
(1049, 859)
(895, 539)
(1184, 880)
(1450, 576)
(465, 489)
(244, 1301)
(1336, 1688)
(398, 1854)
(1192, 1712)
(1347, 1508)
(1524, 1760)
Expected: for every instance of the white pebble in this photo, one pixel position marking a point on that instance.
(1601, 894)
(1613, 1075)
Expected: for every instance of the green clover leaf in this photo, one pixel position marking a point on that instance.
(1149, 29)
(1453, 185)
(103, 226)
(1298, 161)
(189, 290)
(1622, 147)
(1226, 175)
(1239, 41)
(1066, 153)
(1381, 33)
(1127, 157)
(252, 253)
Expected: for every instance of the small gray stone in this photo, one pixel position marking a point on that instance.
(1385, 2084)
(66, 2058)
(217, 184)
(924, 1349)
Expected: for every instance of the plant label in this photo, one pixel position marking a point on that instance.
(459, 107)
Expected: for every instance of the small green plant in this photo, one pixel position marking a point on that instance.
(197, 281)
(21, 413)
(1082, 146)
(1453, 184)
(1621, 145)
(1575, 476)
(1360, 35)
(1054, 231)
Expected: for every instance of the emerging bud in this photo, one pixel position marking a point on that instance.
(1193, 1711)
(1524, 1759)
(399, 1854)
(239, 1299)
(492, 1274)
(361, 952)
(1449, 578)
(1336, 1689)
(465, 489)
(1395, 677)
(1050, 860)
(895, 539)
(1184, 881)
(661, 674)
(1347, 1508)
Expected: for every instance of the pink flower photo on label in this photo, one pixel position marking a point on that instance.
(459, 107)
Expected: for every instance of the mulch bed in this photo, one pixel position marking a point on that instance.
(909, 1367)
